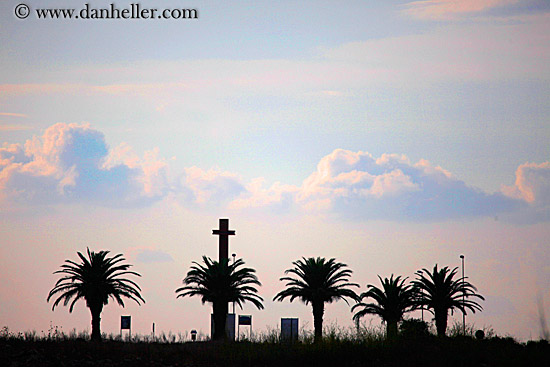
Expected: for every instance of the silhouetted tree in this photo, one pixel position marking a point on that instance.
(220, 283)
(96, 279)
(317, 281)
(392, 302)
(439, 293)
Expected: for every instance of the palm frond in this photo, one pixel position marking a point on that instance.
(393, 300)
(438, 289)
(221, 282)
(317, 279)
(96, 279)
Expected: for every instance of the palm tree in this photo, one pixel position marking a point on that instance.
(96, 279)
(392, 302)
(317, 281)
(440, 293)
(220, 283)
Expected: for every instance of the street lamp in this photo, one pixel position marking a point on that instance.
(463, 299)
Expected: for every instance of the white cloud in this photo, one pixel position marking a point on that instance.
(154, 175)
(68, 163)
(456, 52)
(510, 49)
(357, 185)
(393, 183)
(13, 114)
(447, 9)
(212, 187)
(532, 184)
(278, 196)
(12, 153)
(14, 127)
(72, 163)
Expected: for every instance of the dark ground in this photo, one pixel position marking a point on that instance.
(412, 352)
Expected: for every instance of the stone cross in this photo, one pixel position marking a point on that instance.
(224, 232)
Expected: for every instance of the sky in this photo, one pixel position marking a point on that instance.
(390, 135)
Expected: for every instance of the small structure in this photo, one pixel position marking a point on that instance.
(229, 326)
(193, 335)
(245, 320)
(126, 323)
(289, 330)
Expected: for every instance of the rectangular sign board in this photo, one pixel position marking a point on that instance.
(245, 319)
(125, 322)
(289, 329)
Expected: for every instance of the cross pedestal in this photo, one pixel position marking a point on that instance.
(224, 232)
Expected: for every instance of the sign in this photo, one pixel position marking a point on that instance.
(125, 322)
(289, 329)
(245, 319)
(229, 326)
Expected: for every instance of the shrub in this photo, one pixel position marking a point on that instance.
(414, 328)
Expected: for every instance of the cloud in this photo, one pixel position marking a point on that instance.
(71, 163)
(454, 52)
(11, 114)
(149, 256)
(358, 185)
(447, 9)
(153, 177)
(278, 197)
(532, 185)
(448, 52)
(12, 153)
(13, 127)
(210, 188)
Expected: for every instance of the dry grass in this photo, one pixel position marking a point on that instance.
(363, 346)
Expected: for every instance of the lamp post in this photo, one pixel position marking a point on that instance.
(463, 299)
(233, 254)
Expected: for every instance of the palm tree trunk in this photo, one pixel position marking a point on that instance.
(95, 310)
(441, 321)
(220, 319)
(318, 310)
(391, 330)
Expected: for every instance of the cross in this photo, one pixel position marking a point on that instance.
(224, 232)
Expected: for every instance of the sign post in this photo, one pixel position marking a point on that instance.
(289, 330)
(125, 323)
(245, 320)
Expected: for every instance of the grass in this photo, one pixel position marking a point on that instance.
(362, 346)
